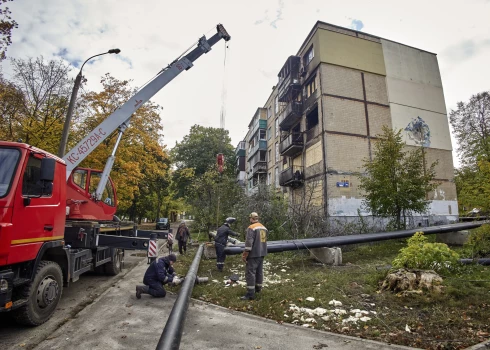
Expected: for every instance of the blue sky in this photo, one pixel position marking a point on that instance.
(264, 33)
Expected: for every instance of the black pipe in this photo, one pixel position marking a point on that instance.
(280, 246)
(172, 333)
(475, 261)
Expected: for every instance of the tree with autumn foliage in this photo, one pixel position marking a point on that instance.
(140, 171)
(7, 24)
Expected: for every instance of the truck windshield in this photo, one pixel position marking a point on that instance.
(9, 158)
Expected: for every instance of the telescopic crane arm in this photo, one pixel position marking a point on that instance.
(121, 117)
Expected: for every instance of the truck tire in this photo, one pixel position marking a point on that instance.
(113, 267)
(42, 294)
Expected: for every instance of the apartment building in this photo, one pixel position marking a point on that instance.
(331, 100)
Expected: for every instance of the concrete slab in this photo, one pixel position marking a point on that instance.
(117, 320)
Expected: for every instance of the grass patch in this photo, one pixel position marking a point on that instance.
(455, 319)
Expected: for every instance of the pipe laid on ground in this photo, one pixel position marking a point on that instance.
(280, 246)
(172, 333)
(475, 261)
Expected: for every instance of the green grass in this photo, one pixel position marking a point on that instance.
(455, 319)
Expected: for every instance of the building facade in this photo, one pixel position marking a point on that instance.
(331, 100)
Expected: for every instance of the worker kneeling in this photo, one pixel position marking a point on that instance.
(159, 272)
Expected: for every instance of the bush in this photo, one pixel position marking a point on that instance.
(419, 254)
(478, 244)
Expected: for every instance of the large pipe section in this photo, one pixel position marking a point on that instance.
(172, 333)
(280, 246)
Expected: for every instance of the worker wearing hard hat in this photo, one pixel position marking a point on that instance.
(224, 231)
(253, 255)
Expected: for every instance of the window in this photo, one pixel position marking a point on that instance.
(80, 178)
(308, 57)
(277, 152)
(269, 112)
(284, 160)
(310, 88)
(262, 155)
(277, 127)
(31, 183)
(262, 133)
(107, 194)
(277, 177)
(270, 157)
(9, 158)
(269, 178)
(276, 105)
(269, 133)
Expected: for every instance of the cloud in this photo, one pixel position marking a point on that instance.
(278, 14)
(356, 24)
(465, 49)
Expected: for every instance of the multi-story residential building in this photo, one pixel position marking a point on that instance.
(330, 102)
(256, 165)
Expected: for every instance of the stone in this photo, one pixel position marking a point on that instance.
(328, 256)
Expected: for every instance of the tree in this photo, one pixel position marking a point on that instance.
(7, 24)
(471, 127)
(11, 111)
(198, 150)
(213, 197)
(37, 117)
(396, 181)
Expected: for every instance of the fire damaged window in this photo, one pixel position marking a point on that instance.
(311, 123)
(310, 88)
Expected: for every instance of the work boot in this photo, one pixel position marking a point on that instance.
(141, 290)
(258, 289)
(249, 296)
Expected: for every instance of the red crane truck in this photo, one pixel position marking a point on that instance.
(57, 220)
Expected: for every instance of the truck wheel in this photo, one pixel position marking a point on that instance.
(42, 294)
(113, 267)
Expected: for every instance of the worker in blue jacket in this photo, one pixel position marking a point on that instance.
(224, 231)
(159, 272)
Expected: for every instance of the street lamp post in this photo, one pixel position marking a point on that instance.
(66, 126)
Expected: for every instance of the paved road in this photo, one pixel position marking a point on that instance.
(117, 320)
(74, 299)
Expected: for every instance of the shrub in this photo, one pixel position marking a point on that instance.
(478, 243)
(420, 254)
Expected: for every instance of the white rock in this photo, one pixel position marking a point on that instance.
(365, 319)
(283, 270)
(310, 299)
(320, 311)
(335, 303)
(350, 319)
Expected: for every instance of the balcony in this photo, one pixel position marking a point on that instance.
(259, 124)
(290, 115)
(289, 79)
(240, 150)
(259, 168)
(310, 102)
(291, 145)
(261, 146)
(292, 177)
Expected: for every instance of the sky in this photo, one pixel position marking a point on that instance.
(238, 79)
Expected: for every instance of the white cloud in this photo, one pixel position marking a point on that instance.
(151, 34)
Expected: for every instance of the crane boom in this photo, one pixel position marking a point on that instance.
(120, 118)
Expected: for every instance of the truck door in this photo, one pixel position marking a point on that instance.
(37, 215)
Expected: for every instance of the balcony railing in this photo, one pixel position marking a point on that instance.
(259, 168)
(291, 145)
(240, 150)
(262, 146)
(289, 79)
(312, 133)
(260, 124)
(292, 177)
(290, 115)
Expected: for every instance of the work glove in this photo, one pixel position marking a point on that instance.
(245, 256)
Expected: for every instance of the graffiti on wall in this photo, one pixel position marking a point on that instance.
(418, 131)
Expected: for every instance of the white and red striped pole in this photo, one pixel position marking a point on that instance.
(152, 248)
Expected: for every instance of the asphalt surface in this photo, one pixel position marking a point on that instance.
(74, 299)
(117, 320)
